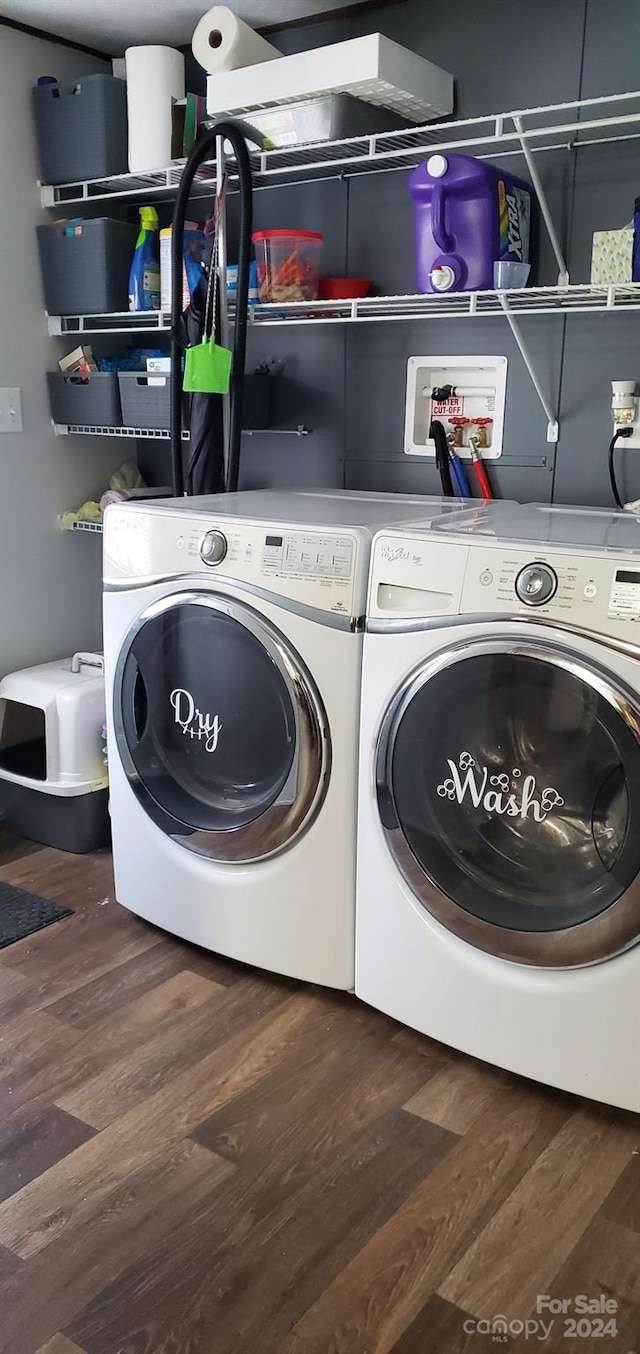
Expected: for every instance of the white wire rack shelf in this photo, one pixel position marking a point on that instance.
(100, 430)
(95, 527)
(163, 434)
(530, 301)
(115, 322)
(568, 126)
(459, 305)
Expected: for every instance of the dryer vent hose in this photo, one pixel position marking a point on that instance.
(238, 133)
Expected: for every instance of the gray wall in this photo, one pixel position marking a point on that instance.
(49, 581)
(349, 382)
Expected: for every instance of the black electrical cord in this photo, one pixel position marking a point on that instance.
(238, 133)
(437, 432)
(622, 432)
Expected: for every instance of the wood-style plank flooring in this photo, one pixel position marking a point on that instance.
(198, 1158)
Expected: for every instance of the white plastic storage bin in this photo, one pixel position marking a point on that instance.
(53, 781)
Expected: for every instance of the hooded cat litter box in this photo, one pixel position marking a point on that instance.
(53, 781)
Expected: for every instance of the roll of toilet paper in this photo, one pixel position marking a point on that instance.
(222, 42)
(155, 80)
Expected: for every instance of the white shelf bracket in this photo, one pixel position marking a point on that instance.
(563, 271)
(553, 429)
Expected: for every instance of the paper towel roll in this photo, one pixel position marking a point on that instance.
(155, 78)
(221, 42)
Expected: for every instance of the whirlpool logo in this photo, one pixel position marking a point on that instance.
(512, 795)
(394, 554)
(195, 723)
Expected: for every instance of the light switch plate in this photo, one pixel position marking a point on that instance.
(10, 410)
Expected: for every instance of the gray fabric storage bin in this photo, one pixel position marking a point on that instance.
(81, 128)
(145, 398)
(86, 273)
(93, 399)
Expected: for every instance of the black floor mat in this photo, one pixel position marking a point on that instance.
(23, 913)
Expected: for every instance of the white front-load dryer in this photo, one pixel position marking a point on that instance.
(498, 881)
(233, 644)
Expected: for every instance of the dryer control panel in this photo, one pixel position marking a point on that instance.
(320, 569)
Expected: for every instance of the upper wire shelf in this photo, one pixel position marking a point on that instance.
(568, 126)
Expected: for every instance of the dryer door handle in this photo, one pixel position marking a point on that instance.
(135, 704)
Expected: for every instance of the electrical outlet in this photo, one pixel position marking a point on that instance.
(625, 408)
(634, 423)
(10, 410)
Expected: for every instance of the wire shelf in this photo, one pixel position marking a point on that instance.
(115, 322)
(99, 430)
(456, 305)
(95, 527)
(530, 301)
(163, 434)
(569, 126)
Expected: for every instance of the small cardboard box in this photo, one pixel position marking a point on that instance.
(611, 257)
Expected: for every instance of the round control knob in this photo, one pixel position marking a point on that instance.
(536, 584)
(213, 547)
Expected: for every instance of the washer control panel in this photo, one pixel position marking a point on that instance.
(591, 590)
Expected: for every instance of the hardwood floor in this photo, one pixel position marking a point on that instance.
(198, 1158)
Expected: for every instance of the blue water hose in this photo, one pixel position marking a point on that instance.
(459, 475)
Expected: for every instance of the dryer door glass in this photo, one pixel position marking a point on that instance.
(213, 723)
(513, 777)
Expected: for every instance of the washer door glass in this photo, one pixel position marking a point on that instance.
(217, 727)
(513, 776)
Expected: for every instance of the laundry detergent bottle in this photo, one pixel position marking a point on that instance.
(469, 214)
(144, 274)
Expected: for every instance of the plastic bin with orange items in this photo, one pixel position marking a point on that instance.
(288, 263)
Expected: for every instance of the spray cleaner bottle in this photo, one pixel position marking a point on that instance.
(144, 275)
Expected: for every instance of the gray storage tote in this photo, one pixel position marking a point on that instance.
(81, 128)
(145, 398)
(92, 400)
(86, 273)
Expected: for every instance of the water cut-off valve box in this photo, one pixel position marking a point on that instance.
(467, 395)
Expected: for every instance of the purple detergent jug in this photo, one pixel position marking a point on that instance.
(468, 215)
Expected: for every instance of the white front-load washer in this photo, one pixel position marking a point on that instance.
(233, 644)
(498, 878)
